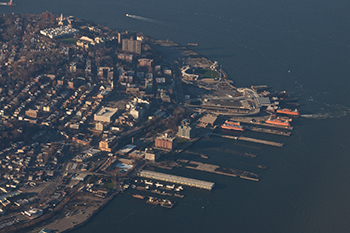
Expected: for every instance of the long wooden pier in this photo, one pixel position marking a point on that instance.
(241, 138)
(267, 130)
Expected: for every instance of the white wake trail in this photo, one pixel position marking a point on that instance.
(145, 19)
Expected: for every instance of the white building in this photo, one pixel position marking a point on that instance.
(105, 114)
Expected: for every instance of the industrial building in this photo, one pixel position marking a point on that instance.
(126, 149)
(138, 154)
(152, 155)
(177, 179)
(208, 120)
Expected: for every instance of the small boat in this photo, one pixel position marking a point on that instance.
(171, 187)
(152, 201)
(178, 195)
(166, 203)
(138, 196)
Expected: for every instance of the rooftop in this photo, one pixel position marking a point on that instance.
(177, 179)
(106, 112)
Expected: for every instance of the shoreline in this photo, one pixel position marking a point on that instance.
(93, 214)
(74, 225)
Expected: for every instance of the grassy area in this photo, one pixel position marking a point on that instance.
(69, 40)
(181, 140)
(110, 185)
(208, 73)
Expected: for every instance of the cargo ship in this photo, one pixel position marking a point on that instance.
(277, 122)
(288, 112)
(232, 127)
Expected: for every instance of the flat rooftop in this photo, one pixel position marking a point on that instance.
(177, 179)
(106, 112)
(208, 119)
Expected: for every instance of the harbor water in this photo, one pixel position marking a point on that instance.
(299, 46)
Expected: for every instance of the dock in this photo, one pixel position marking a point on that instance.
(203, 156)
(222, 171)
(177, 179)
(270, 131)
(259, 121)
(247, 139)
(270, 143)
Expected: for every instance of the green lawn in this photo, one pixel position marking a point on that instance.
(181, 140)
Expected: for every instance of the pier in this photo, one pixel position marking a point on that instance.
(247, 139)
(203, 156)
(270, 131)
(177, 179)
(222, 171)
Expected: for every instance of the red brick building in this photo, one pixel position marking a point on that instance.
(166, 142)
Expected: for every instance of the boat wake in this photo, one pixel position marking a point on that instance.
(317, 116)
(328, 111)
(129, 215)
(145, 19)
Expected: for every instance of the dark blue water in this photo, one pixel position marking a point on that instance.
(300, 46)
